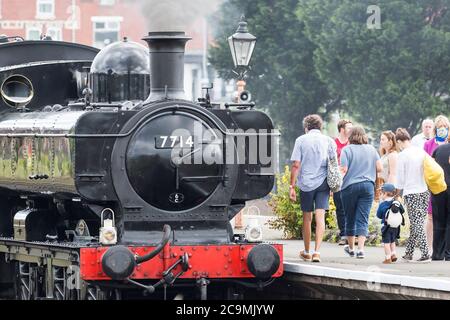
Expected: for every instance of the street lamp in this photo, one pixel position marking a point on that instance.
(241, 45)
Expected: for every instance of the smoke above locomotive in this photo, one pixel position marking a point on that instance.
(178, 14)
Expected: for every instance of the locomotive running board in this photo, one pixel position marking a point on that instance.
(39, 252)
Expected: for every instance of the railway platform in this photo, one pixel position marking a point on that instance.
(341, 277)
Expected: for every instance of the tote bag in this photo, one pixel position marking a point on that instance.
(334, 176)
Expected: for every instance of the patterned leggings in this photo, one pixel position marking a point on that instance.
(417, 205)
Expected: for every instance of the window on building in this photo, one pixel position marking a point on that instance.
(107, 2)
(106, 30)
(45, 9)
(34, 33)
(55, 33)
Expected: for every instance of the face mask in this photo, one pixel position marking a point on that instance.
(441, 134)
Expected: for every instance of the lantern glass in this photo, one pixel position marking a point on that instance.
(233, 52)
(242, 45)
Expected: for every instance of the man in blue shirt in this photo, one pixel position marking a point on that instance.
(309, 163)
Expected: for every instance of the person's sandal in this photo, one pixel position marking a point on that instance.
(305, 256)
(316, 257)
(387, 261)
(394, 258)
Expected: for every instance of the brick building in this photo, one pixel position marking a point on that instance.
(100, 22)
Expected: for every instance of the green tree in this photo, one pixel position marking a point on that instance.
(389, 77)
(283, 79)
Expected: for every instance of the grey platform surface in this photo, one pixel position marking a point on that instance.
(337, 265)
(337, 268)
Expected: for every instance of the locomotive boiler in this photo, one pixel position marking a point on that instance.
(113, 184)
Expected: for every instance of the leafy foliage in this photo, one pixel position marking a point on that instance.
(374, 237)
(289, 215)
(283, 79)
(389, 77)
(316, 56)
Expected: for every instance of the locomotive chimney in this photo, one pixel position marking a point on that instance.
(166, 65)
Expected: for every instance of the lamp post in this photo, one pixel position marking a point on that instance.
(242, 43)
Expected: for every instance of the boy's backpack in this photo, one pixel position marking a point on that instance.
(394, 217)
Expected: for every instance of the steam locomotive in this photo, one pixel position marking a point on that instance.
(114, 185)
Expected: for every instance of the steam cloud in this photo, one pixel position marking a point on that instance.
(176, 15)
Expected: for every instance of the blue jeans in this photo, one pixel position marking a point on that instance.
(340, 213)
(357, 200)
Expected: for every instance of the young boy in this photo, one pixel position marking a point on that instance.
(390, 211)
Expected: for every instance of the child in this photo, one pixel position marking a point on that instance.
(390, 211)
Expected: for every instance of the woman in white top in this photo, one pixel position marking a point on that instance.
(415, 193)
(389, 155)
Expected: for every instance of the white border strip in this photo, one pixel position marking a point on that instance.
(370, 277)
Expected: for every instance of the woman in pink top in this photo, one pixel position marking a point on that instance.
(441, 129)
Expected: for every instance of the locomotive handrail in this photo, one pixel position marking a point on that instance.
(196, 178)
(166, 237)
(125, 134)
(245, 105)
(17, 38)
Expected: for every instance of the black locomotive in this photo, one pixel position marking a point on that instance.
(111, 182)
